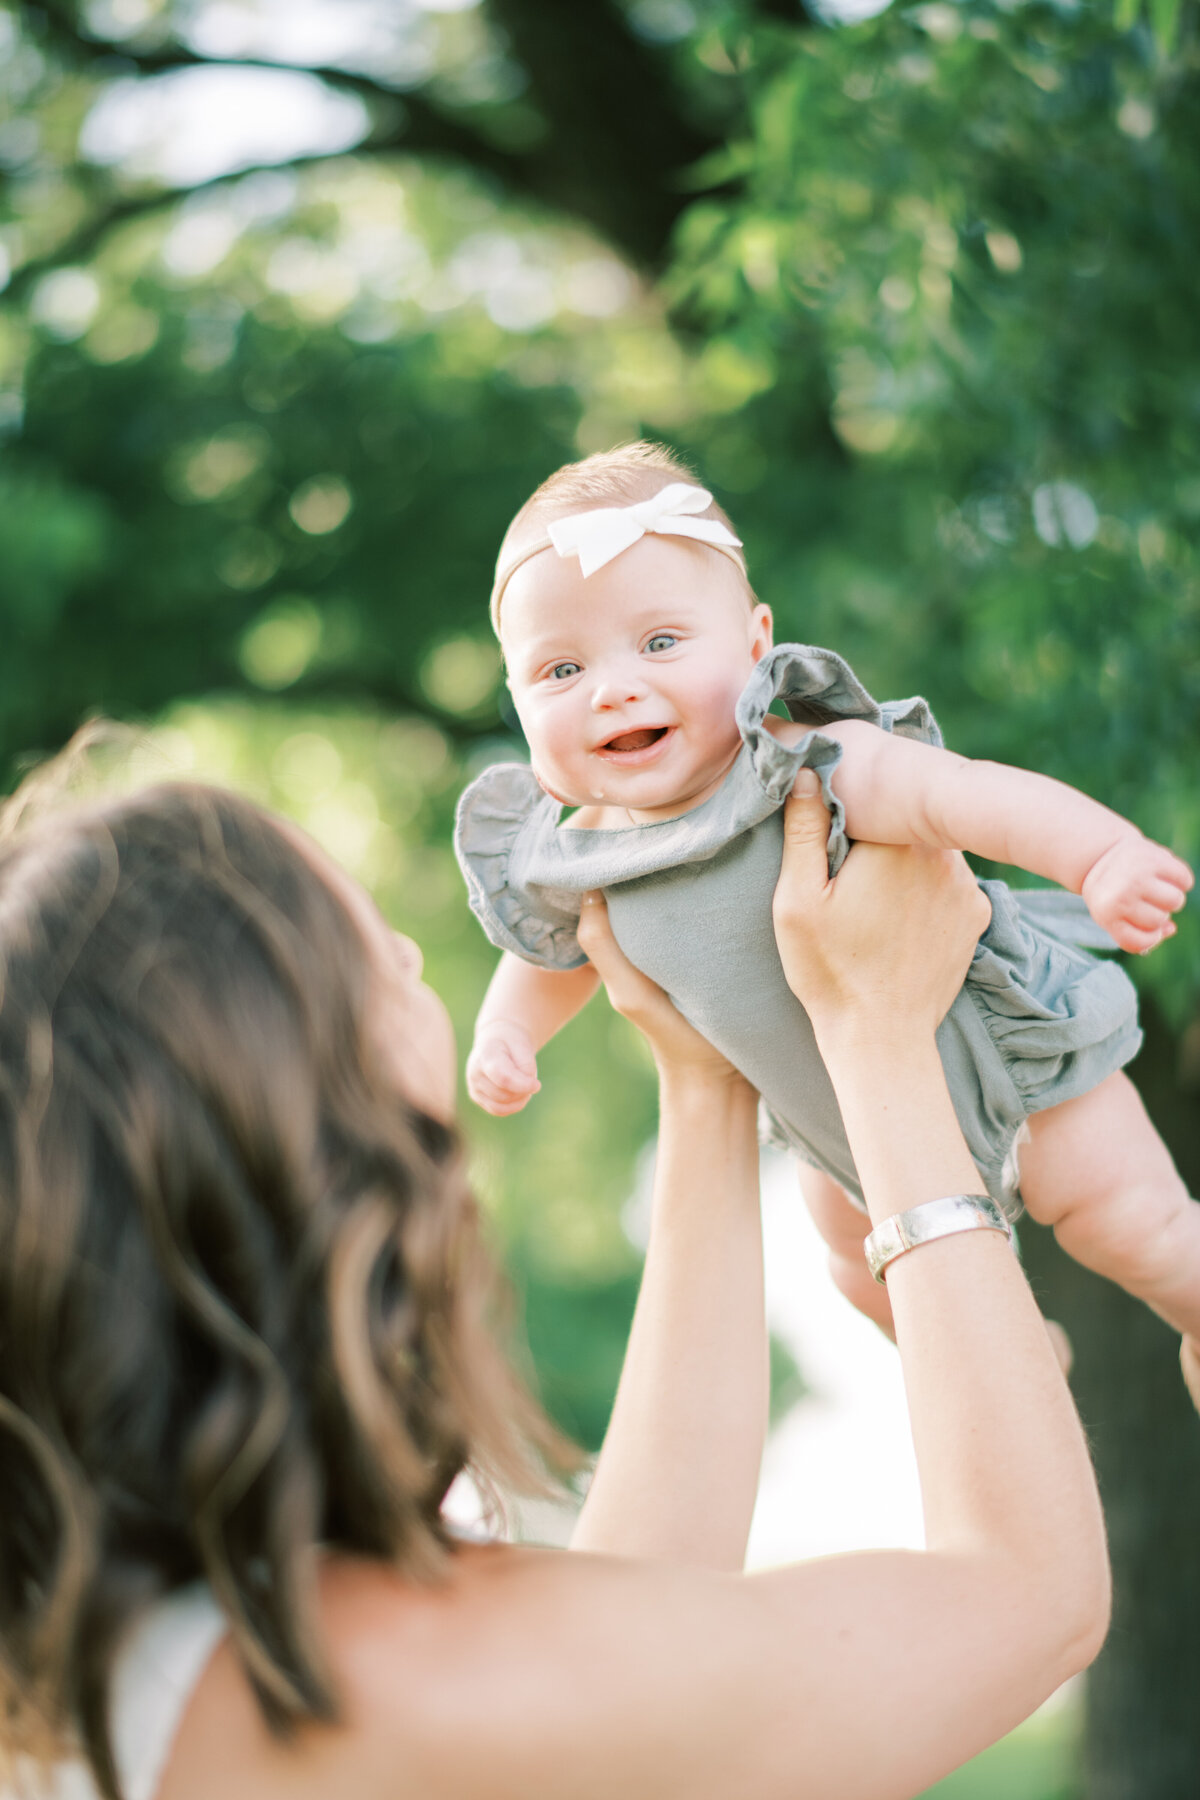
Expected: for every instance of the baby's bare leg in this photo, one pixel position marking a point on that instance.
(1098, 1172)
(844, 1226)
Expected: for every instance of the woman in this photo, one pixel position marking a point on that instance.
(243, 1338)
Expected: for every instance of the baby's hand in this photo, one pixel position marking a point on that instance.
(502, 1068)
(1133, 889)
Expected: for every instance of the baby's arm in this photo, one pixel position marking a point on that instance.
(522, 1009)
(896, 790)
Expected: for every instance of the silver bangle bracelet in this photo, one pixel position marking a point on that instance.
(922, 1224)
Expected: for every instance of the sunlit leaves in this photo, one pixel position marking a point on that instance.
(1165, 18)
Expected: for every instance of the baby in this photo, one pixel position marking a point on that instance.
(642, 669)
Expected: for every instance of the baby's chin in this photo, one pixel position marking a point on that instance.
(647, 799)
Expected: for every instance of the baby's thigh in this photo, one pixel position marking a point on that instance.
(842, 1224)
(1094, 1152)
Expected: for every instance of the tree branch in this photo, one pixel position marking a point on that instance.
(619, 134)
(170, 56)
(420, 130)
(617, 139)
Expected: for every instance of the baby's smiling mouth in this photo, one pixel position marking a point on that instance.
(628, 743)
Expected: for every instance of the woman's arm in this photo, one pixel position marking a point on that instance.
(678, 1473)
(898, 791)
(867, 1677)
(523, 1009)
(861, 1677)
(1015, 1579)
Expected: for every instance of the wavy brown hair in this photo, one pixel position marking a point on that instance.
(244, 1307)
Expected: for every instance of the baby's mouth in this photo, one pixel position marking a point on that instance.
(629, 742)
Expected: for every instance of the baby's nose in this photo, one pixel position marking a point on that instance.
(617, 687)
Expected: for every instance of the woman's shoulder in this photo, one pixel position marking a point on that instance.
(434, 1678)
(517, 1670)
(495, 1678)
(523, 1671)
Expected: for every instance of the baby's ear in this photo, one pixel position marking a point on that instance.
(762, 628)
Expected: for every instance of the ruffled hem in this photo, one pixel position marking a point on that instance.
(818, 688)
(1060, 1020)
(492, 814)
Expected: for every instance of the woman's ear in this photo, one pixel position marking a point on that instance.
(762, 629)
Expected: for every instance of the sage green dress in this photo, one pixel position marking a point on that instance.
(1038, 1019)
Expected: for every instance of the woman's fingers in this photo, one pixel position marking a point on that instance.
(596, 938)
(674, 1042)
(806, 830)
(804, 877)
(629, 991)
(893, 932)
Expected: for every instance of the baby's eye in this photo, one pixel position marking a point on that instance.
(564, 670)
(662, 640)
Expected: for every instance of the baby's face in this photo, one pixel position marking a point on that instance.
(625, 683)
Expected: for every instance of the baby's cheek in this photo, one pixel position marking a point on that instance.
(538, 735)
(552, 743)
(715, 704)
(556, 747)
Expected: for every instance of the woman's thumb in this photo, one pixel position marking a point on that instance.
(805, 817)
(805, 869)
(595, 933)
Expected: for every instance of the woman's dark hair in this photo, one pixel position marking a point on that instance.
(244, 1307)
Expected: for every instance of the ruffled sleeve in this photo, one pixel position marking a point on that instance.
(502, 817)
(817, 688)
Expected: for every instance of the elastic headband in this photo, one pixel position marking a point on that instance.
(597, 537)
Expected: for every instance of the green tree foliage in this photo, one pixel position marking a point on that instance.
(978, 234)
(919, 298)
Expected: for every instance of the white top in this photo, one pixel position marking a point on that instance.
(157, 1673)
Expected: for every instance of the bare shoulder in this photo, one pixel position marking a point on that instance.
(486, 1683)
(538, 1672)
(432, 1678)
(846, 731)
(787, 731)
(525, 1672)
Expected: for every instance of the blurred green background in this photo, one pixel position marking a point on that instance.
(302, 299)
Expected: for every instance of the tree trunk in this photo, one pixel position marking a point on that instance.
(1142, 1735)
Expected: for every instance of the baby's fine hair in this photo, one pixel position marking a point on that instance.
(619, 477)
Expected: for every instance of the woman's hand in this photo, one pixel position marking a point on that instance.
(676, 1046)
(887, 943)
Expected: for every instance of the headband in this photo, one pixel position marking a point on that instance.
(597, 537)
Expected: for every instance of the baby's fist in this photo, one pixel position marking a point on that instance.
(1133, 889)
(502, 1068)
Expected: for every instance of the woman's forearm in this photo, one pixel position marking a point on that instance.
(1003, 1464)
(899, 1118)
(677, 1476)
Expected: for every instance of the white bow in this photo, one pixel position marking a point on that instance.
(596, 537)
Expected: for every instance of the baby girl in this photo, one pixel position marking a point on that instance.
(642, 669)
